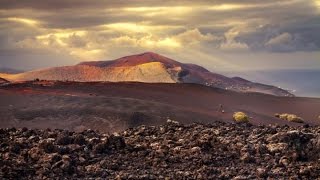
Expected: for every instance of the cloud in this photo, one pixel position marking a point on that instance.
(282, 42)
(284, 38)
(287, 42)
(103, 29)
(95, 45)
(234, 46)
(194, 36)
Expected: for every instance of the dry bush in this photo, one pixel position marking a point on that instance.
(290, 117)
(240, 117)
(294, 118)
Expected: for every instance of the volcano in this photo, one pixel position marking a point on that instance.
(147, 67)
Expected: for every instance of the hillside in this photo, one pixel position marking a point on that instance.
(146, 67)
(108, 107)
(149, 72)
(3, 81)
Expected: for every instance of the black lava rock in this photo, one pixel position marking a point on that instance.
(170, 151)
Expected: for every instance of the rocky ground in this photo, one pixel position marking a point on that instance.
(169, 151)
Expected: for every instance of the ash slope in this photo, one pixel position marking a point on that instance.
(147, 67)
(110, 107)
(169, 151)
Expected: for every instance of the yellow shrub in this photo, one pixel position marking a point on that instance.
(240, 117)
(291, 118)
(284, 116)
(294, 118)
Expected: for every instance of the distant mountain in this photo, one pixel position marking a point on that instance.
(10, 71)
(303, 82)
(146, 67)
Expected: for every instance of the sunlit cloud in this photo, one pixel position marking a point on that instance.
(63, 34)
(87, 54)
(129, 28)
(229, 7)
(26, 21)
(169, 42)
(317, 3)
(157, 11)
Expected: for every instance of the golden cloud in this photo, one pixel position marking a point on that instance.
(26, 21)
(317, 3)
(162, 10)
(137, 28)
(229, 7)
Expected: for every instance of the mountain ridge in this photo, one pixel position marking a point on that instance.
(133, 60)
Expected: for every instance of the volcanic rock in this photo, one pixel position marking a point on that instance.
(169, 151)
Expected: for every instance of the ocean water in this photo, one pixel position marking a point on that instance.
(305, 83)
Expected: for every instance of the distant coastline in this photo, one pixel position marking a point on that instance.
(303, 82)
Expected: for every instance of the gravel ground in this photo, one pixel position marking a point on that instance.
(169, 151)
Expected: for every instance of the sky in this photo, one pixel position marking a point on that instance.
(222, 35)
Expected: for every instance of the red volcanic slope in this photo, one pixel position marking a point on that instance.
(134, 60)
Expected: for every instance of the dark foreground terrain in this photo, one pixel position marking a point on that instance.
(170, 151)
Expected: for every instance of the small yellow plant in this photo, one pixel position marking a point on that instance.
(284, 116)
(294, 118)
(290, 118)
(240, 117)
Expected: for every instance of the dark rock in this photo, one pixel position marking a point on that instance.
(24, 129)
(64, 139)
(62, 150)
(99, 148)
(115, 142)
(262, 172)
(247, 158)
(79, 139)
(15, 148)
(47, 146)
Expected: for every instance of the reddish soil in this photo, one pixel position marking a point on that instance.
(113, 103)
